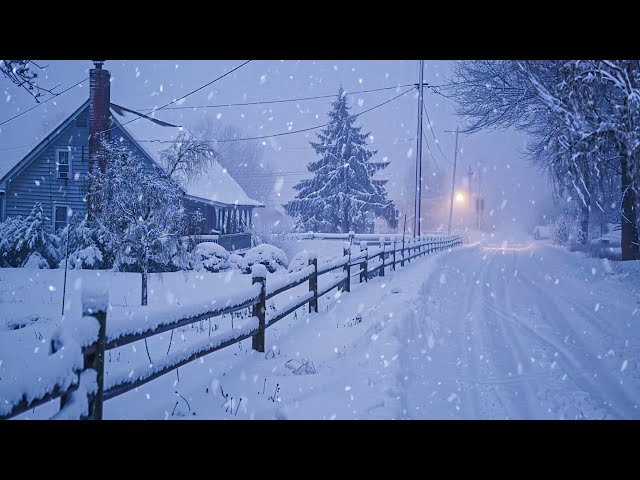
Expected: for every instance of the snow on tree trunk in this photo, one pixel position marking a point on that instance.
(629, 233)
(145, 279)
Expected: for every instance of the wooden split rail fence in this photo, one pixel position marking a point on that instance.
(368, 262)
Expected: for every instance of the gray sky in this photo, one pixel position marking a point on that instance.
(510, 184)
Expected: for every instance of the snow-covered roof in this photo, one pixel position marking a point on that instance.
(216, 185)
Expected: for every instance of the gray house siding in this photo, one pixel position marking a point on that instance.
(39, 182)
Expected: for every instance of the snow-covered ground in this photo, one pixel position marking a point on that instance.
(490, 330)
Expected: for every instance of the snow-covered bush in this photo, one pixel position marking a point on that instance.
(89, 245)
(20, 238)
(84, 259)
(268, 255)
(8, 240)
(300, 261)
(36, 262)
(278, 234)
(211, 257)
(236, 261)
(565, 232)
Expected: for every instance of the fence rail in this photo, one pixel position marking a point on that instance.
(368, 262)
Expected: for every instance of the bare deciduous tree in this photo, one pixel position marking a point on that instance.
(242, 159)
(188, 157)
(20, 73)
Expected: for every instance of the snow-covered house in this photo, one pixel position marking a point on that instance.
(54, 171)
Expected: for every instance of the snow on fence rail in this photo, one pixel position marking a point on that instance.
(73, 369)
(369, 237)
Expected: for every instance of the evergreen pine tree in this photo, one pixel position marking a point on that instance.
(35, 237)
(342, 195)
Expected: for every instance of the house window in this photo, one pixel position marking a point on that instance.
(60, 217)
(63, 163)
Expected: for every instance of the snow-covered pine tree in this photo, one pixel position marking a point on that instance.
(342, 195)
(36, 244)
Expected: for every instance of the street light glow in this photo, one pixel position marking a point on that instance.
(460, 197)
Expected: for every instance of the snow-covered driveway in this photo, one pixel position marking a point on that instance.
(536, 332)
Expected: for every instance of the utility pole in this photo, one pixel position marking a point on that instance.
(470, 173)
(453, 181)
(419, 153)
(480, 201)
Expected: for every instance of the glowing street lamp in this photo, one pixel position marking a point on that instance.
(460, 197)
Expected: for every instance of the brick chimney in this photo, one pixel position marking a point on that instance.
(99, 100)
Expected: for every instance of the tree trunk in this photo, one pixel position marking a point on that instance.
(629, 234)
(584, 221)
(145, 275)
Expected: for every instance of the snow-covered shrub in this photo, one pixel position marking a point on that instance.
(89, 245)
(268, 255)
(211, 257)
(564, 231)
(8, 240)
(85, 259)
(236, 261)
(278, 234)
(300, 261)
(20, 238)
(36, 262)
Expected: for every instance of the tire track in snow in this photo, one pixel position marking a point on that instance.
(575, 364)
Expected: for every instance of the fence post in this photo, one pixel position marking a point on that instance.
(259, 274)
(346, 251)
(409, 243)
(382, 256)
(364, 262)
(313, 283)
(394, 255)
(94, 304)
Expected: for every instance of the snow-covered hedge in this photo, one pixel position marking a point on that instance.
(211, 257)
(236, 261)
(271, 257)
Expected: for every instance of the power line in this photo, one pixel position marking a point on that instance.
(13, 148)
(184, 96)
(42, 103)
(282, 133)
(287, 100)
(434, 135)
(429, 150)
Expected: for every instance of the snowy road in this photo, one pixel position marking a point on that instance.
(526, 333)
